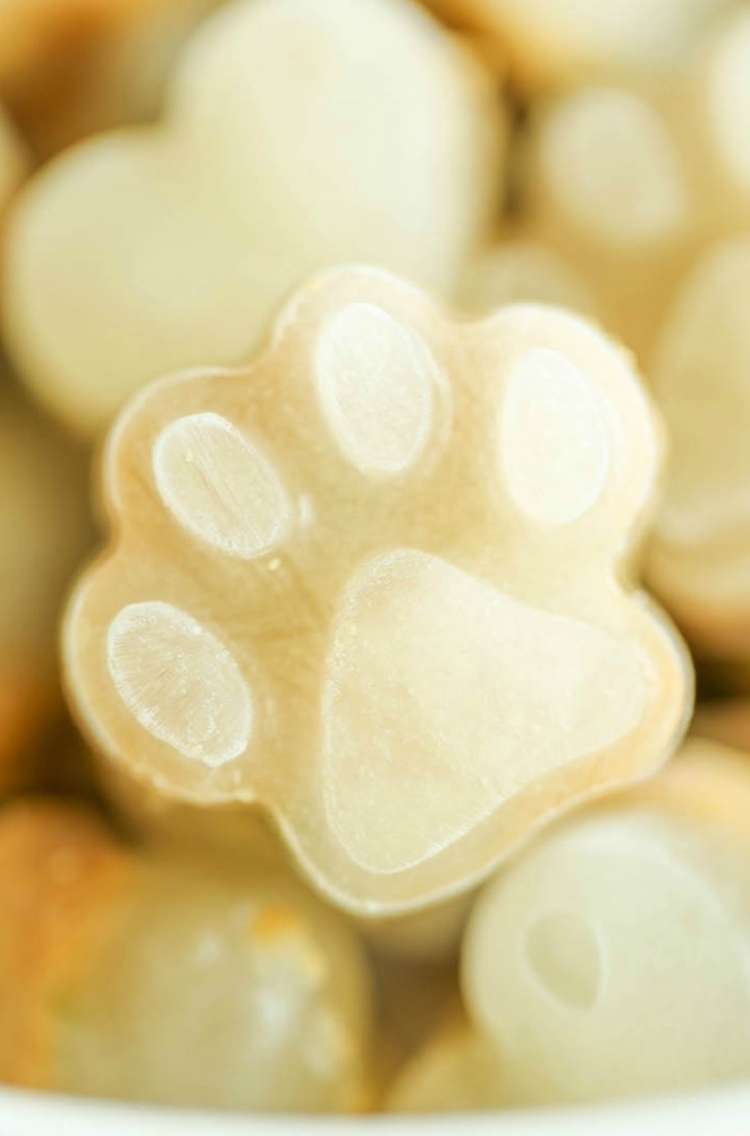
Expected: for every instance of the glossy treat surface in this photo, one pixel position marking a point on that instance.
(373, 583)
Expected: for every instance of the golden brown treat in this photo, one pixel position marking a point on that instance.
(611, 958)
(380, 583)
(413, 998)
(62, 880)
(725, 720)
(70, 67)
(547, 43)
(13, 160)
(151, 977)
(44, 532)
(699, 560)
(455, 1071)
(288, 146)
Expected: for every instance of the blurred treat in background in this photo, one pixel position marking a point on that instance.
(523, 270)
(454, 1071)
(70, 67)
(700, 553)
(289, 143)
(44, 531)
(173, 980)
(610, 959)
(726, 721)
(412, 999)
(553, 43)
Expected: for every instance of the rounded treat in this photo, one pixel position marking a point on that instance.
(611, 958)
(725, 720)
(609, 186)
(379, 584)
(155, 978)
(456, 1071)
(44, 532)
(700, 555)
(552, 42)
(287, 145)
(522, 270)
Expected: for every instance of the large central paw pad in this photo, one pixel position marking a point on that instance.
(372, 583)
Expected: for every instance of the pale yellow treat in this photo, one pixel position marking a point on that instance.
(522, 270)
(381, 583)
(156, 978)
(628, 181)
(298, 134)
(720, 109)
(608, 185)
(611, 958)
(700, 555)
(553, 42)
(725, 720)
(44, 532)
(456, 1071)
(70, 67)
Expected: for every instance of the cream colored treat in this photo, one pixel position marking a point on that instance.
(725, 720)
(608, 185)
(70, 67)
(628, 181)
(160, 979)
(611, 959)
(288, 144)
(700, 556)
(44, 532)
(374, 583)
(722, 103)
(456, 1071)
(522, 270)
(550, 42)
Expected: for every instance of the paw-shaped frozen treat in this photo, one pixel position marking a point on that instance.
(379, 582)
(159, 977)
(298, 134)
(611, 958)
(700, 555)
(554, 42)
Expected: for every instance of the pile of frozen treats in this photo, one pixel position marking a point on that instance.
(374, 482)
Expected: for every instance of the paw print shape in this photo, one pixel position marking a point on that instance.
(287, 146)
(375, 584)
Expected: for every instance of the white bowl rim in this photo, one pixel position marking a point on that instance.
(725, 1110)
